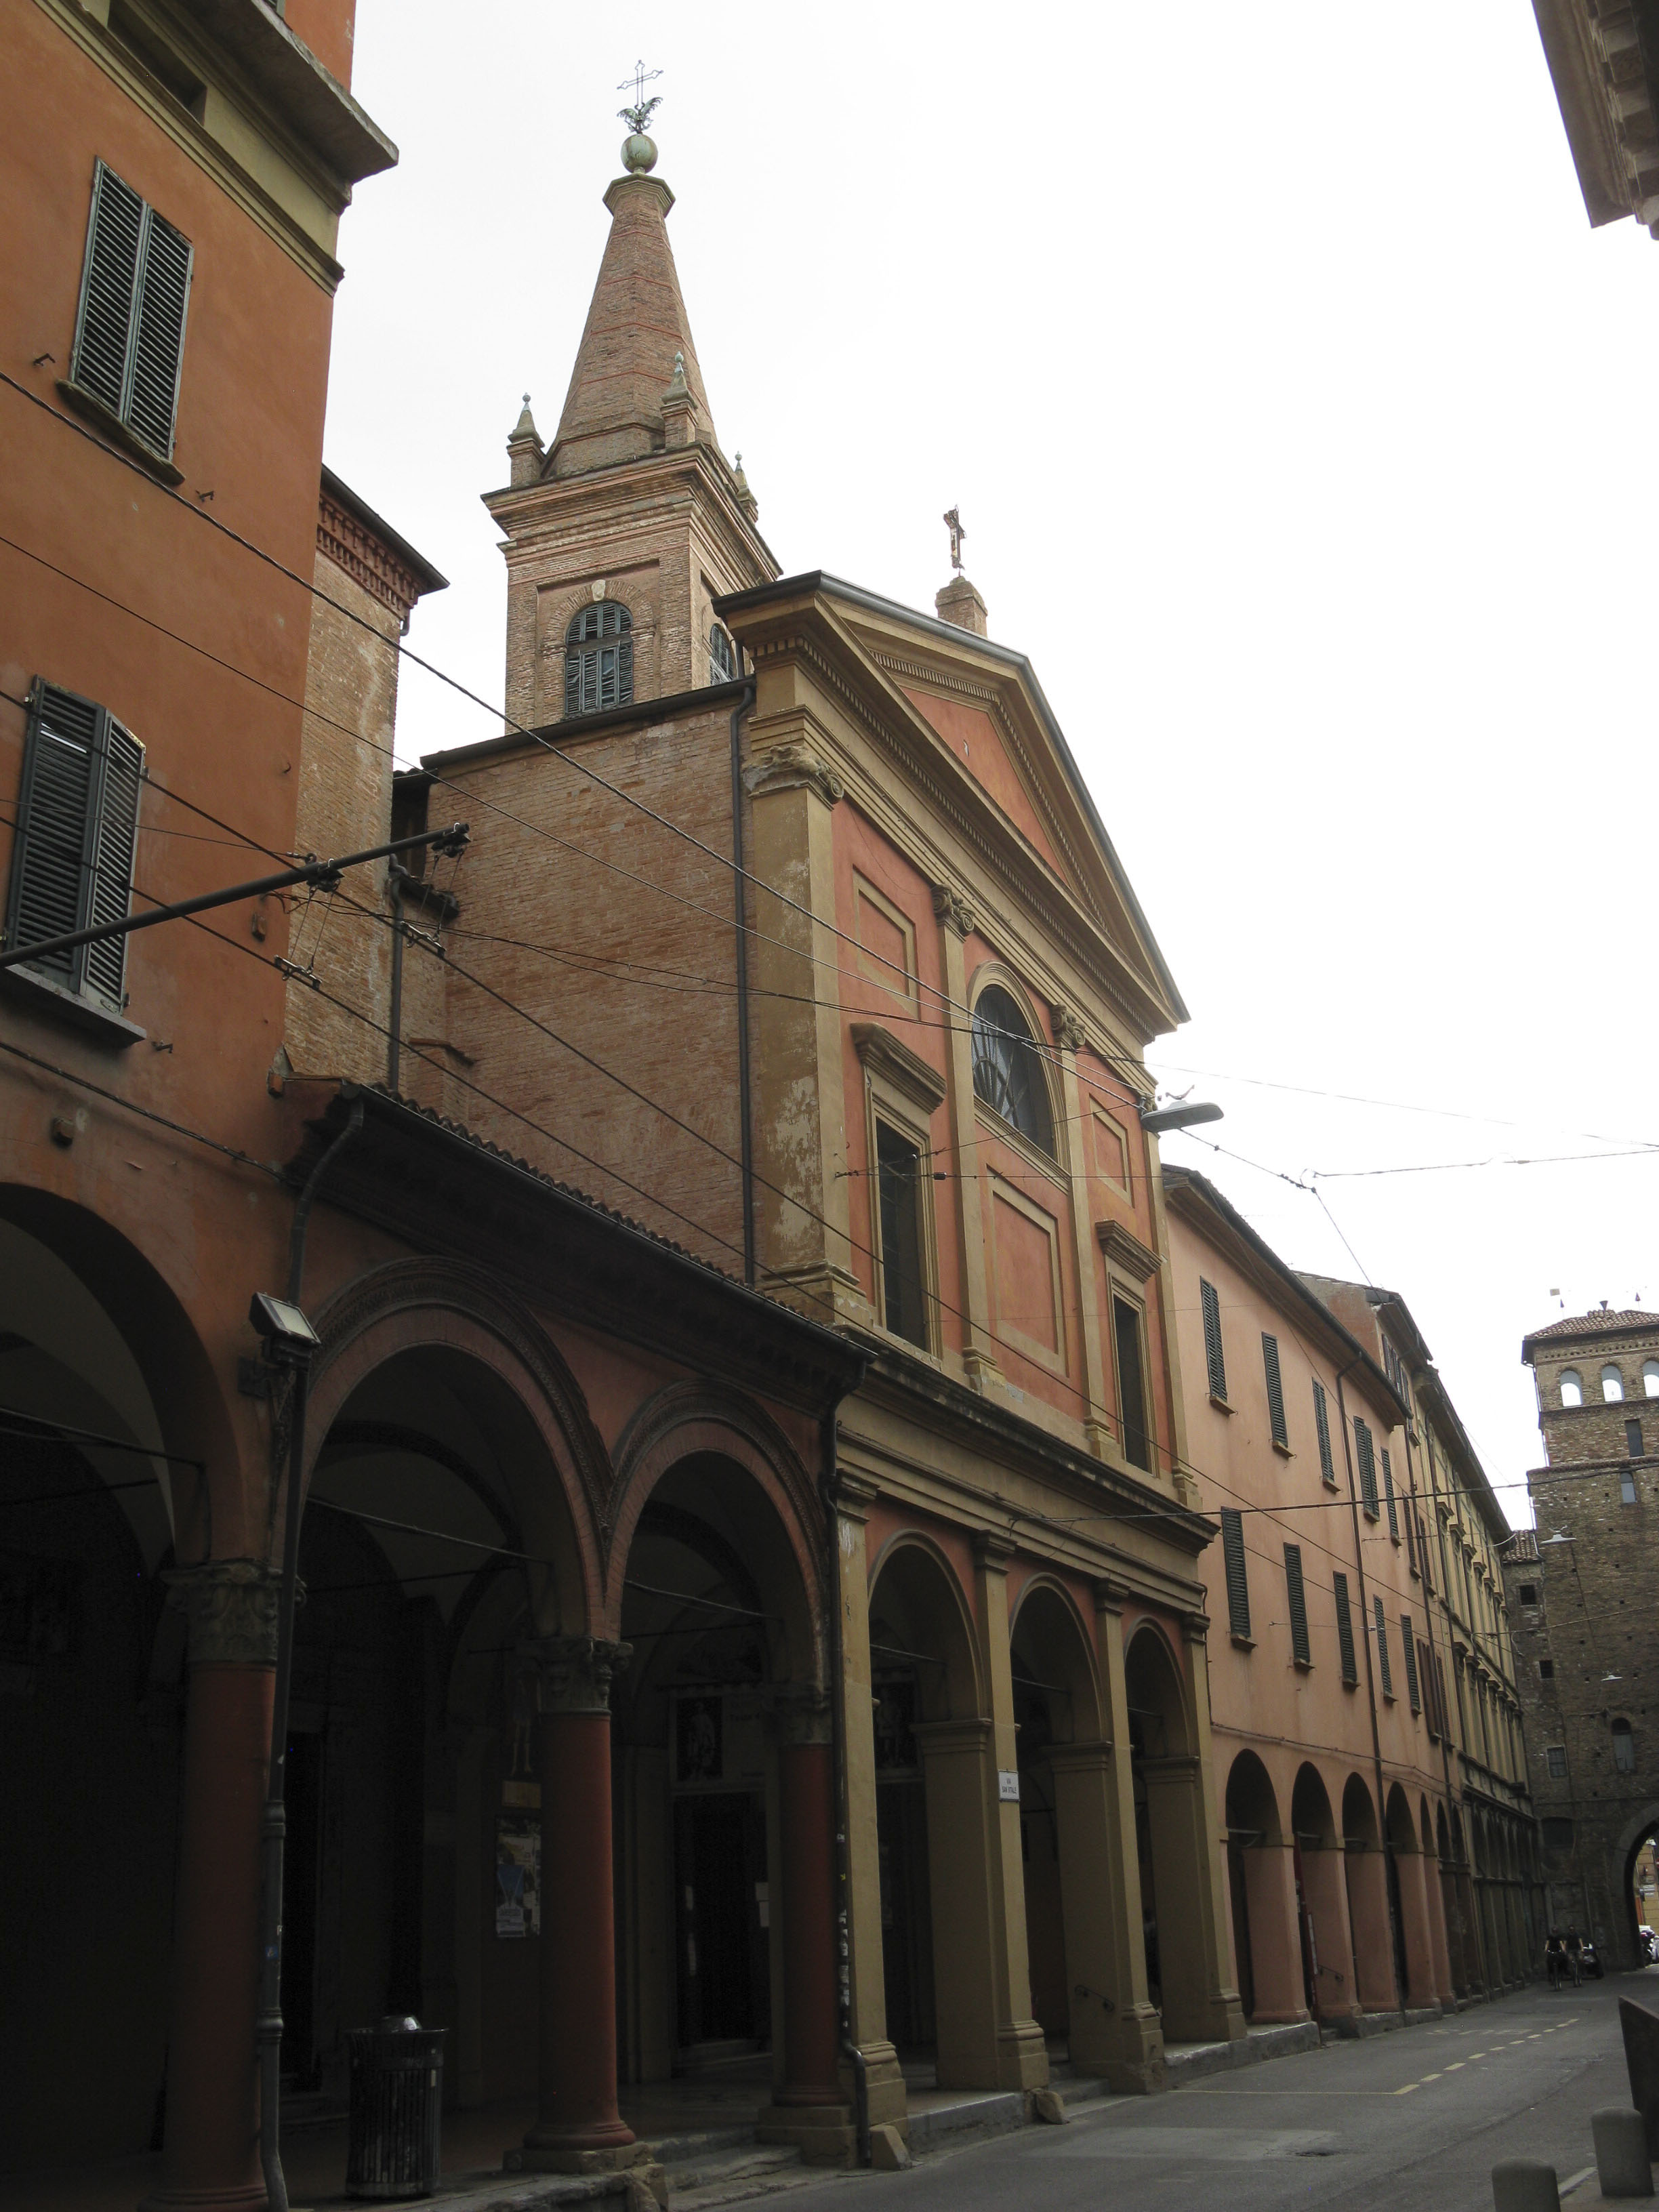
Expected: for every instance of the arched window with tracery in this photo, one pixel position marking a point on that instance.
(1008, 1068)
(598, 659)
(722, 656)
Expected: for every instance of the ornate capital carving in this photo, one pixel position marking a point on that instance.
(801, 1712)
(792, 766)
(953, 910)
(573, 1673)
(230, 1605)
(1068, 1030)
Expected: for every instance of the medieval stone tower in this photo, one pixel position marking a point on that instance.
(623, 533)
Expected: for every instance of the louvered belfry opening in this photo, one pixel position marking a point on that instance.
(135, 293)
(77, 823)
(598, 659)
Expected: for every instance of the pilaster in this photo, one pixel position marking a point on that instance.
(1022, 2058)
(1136, 2031)
(1068, 1037)
(956, 924)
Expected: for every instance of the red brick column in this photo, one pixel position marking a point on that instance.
(806, 1817)
(211, 2161)
(578, 2123)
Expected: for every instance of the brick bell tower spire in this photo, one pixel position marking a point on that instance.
(632, 522)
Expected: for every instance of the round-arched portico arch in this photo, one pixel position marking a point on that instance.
(1262, 1896)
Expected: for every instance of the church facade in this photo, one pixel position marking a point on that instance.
(791, 929)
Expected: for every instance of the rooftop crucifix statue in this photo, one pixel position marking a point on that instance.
(953, 524)
(639, 114)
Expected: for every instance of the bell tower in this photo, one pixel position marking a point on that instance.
(623, 533)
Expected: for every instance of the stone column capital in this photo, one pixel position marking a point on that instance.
(1111, 1596)
(800, 1713)
(573, 1673)
(854, 1494)
(1197, 1626)
(230, 1606)
(994, 1548)
(952, 910)
(1069, 1034)
(792, 765)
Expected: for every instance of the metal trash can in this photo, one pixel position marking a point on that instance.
(397, 2109)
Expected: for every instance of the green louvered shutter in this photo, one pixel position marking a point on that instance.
(1382, 1648)
(1275, 1389)
(1215, 1359)
(1388, 1491)
(1301, 1650)
(1322, 1428)
(135, 292)
(1345, 1628)
(1407, 1638)
(1238, 1586)
(77, 821)
(1362, 1437)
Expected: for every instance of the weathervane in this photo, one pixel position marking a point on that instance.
(953, 524)
(639, 115)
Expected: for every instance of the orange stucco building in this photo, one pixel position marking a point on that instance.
(1377, 1844)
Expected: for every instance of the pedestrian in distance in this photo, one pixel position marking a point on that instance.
(1575, 1956)
(1555, 1957)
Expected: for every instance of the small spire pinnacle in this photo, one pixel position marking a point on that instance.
(677, 382)
(525, 425)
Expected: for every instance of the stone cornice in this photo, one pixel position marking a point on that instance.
(367, 558)
(1126, 1252)
(882, 1054)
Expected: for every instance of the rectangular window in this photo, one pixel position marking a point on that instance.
(1411, 1541)
(129, 332)
(1131, 1384)
(898, 1169)
(1214, 1357)
(1322, 1430)
(1430, 1695)
(1423, 1554)
(1300, 1649)
(1555, 1757)
(1344, 1629)
(1382, 1619)
(77, 823)
(1238, 1587)
(1626, 1486)
(1388, 1492)
(1408, 1645)
(1624, 1747)
(1275, 1391)
(1634, 1439)
(1557, 1835)
(1362, 1437)
(1546, 1670)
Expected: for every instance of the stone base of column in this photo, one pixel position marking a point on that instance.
(1134, 2066)
(825, 2135)
(1022, 2056)
(884, 2080)
(638, 2159)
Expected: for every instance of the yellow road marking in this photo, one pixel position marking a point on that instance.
(1456, 2066)
(1409, 2087)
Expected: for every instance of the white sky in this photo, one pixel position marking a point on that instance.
(1298, 420)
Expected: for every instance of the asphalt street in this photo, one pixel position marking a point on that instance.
(1414, 2118)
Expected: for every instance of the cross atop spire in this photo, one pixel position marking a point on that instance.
(639, 114)
(953, 524)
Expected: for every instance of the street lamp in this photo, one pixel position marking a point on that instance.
(289, 1341)
(1178, 1117)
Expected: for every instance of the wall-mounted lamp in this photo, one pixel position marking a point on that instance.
(1178, 1118)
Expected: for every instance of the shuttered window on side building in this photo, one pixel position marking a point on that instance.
(1238, 1587)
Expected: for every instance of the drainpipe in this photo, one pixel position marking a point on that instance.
(273, 1830)
(1394, 1944)
(849, 2050)
(740, 906)
(394, 884)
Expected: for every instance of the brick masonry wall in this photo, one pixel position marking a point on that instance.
(633, 963)
(344, 803)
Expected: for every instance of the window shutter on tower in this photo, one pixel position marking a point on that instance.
(1382, 1648)
(1388, 1491)
(1345, 1628)
(1322, 1427)
(1408, 1642)
(1300, 1649)
(77, 823)
(1238, 1586)
(1362, 1437)
(1275, 1388)
(135, 292)
(1214, 1357)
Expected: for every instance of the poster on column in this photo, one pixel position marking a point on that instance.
(518, 1876)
